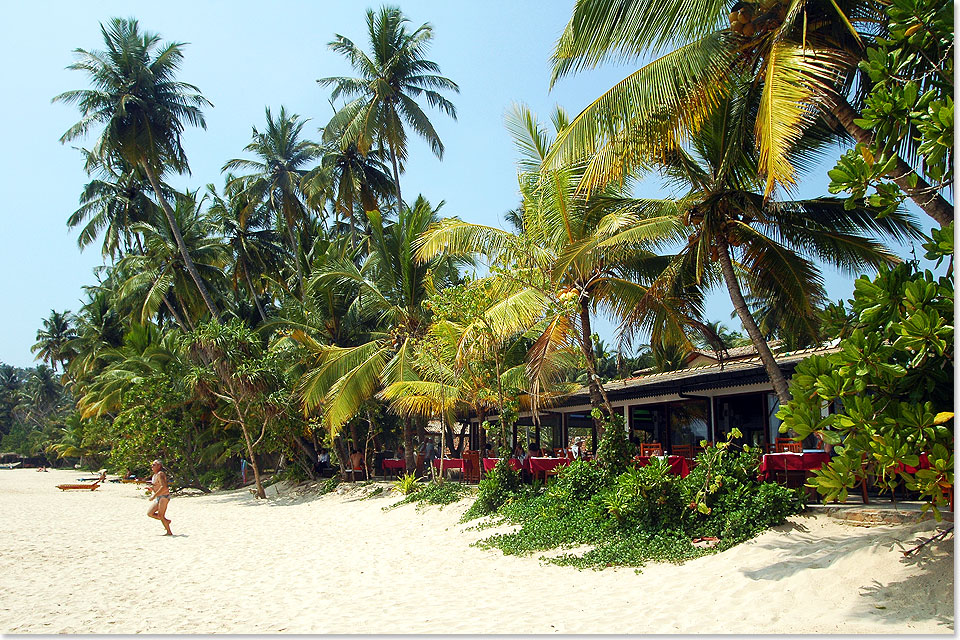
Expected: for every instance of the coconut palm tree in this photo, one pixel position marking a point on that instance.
(350, 178)
(389, 82)
(392, 287)
(255, 248)
(142, 108)
(283, 159)
(115, 199)
(770, 248)
(159, 277)
(802, 54)
(52, 340)
(571, 257)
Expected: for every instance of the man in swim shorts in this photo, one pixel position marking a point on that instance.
(161, 495)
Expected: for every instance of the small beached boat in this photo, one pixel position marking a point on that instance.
(10, 465)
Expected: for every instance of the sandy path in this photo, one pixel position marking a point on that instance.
(92, 562)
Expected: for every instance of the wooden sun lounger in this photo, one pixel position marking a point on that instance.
(67, 487)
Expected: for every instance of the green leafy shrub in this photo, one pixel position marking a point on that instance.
(218, 479)
(644, 514)
(407, 484)
(614, 451)
(499, 485)
(328, 485)
(438, 493)
(893, 380)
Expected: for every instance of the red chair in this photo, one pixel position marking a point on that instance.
(651, 449)
(788, 445)
(685, 450)
(471, 466)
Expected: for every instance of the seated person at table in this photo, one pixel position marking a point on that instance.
(533, 451)
(323, 460)
(576, 449)
(400, 454)
(356, 459)
(517, 452)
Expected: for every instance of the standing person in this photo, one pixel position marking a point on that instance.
(161, 495)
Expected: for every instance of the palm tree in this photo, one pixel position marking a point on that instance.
(387, 87)
(766, 246)
(98, 329)
(802, 54)
(571, 257)
(159, 277)
(351, 178)
(142, 107)
(255, 249)
(117, 198)
(52, 340)
(283, 161)
(392, 287)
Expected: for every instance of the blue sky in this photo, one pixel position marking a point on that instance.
(245, 56)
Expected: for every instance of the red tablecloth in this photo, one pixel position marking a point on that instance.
(449, 463)
(490, 463)
(540, 466)
(678, 464)
(774, 462)
(400, 465)
(924, 464)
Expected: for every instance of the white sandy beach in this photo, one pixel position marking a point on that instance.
(92, 562)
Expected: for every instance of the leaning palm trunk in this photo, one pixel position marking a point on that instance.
(598, 395)
(740, 305)
(253, 294)
(925, 196)
(175, 230)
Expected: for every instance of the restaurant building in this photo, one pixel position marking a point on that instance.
(716, 393)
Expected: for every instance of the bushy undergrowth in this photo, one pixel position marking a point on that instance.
(328, 485)
(641, 514)
(439, 493)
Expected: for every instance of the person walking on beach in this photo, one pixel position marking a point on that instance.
(161, 495)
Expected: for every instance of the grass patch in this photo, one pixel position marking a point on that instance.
(437, 493)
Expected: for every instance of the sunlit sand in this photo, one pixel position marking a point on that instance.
(93, 562)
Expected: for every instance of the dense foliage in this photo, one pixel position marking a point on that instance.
(893, 382)
(639, 515)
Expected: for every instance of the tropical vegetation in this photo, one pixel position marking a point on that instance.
(299, 302)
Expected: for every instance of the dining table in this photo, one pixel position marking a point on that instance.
(788, 461)
(448, 463)
(539, 467)
(490, 463)
(679, 466)
(393, 465)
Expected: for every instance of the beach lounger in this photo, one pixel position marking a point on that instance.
(68, 487)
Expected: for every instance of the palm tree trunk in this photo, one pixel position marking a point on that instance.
(175, 229)
(925, 196)
(598, 395)
(396, 178)
(253, 294)
(740, 305)
(409, 455)
(173, 312)
(295, 248)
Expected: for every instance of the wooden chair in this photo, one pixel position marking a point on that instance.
(419, 467)
(785, 445)
(651, 449)
(685, 450)
(471, 466)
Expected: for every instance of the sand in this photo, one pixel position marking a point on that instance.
(92, 562)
